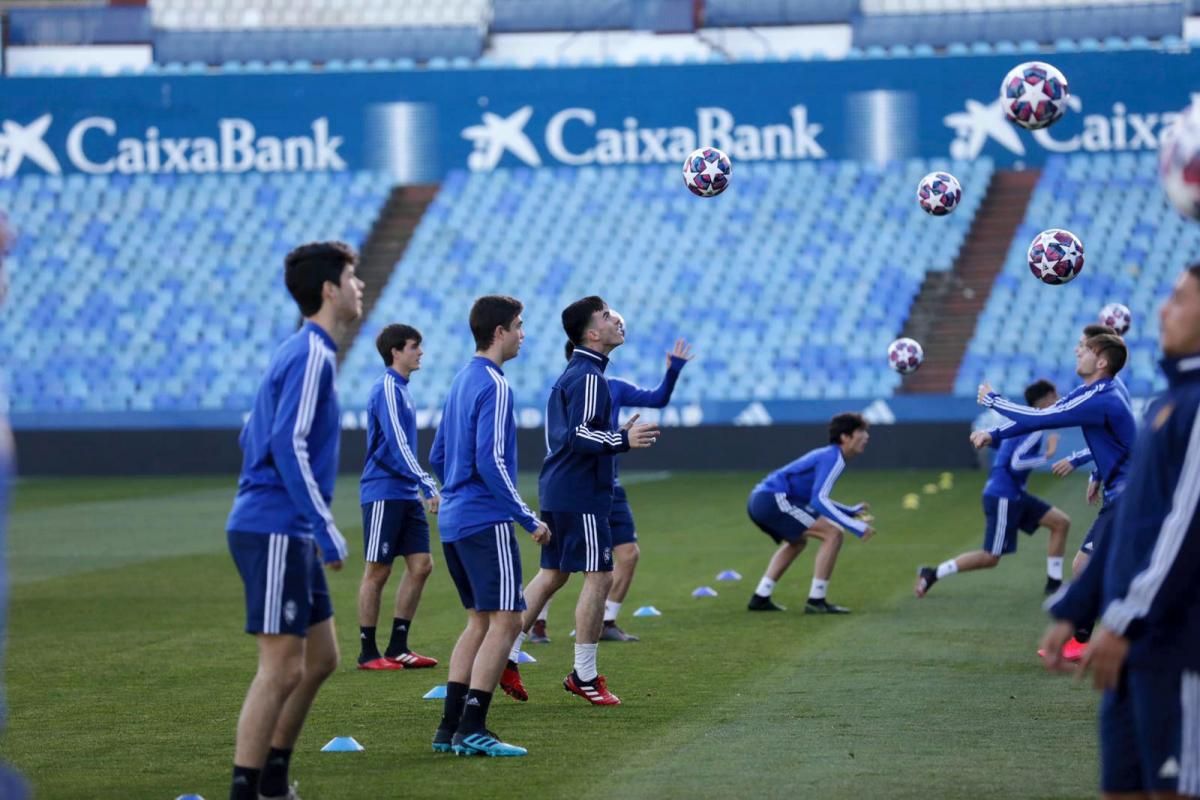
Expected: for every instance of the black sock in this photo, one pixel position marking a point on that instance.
(370, 651)
(245, 783)
(399, 642)
(474, 718)
(1083, 634)
(816, 601)
(274, 780)
(456, 696)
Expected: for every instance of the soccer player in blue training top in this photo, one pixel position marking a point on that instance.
(624, 533)
(475, 456)
(1101, 410)
(1144, 585)
(394, 521)
(280, 528)
(1008, 508)
(1079, 458)
(793, 503)
(576, 489)
(12, 785)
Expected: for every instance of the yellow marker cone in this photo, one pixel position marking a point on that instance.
(946, 480)
(930, 488)
(911, 502)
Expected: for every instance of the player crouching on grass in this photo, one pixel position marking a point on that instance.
(793, 503)
(1008, 507)
(394, 521)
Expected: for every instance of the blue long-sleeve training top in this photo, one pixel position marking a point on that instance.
(578, 474)
(290, 446)
(809, 480)
(391, 470)
(1143, 579)
(474, 453)
(629, 395)
(1015, 459)
(1099, 409)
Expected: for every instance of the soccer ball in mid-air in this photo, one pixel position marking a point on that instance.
(1034, 95)
(1179, 162)
(1117, 317)
(706, 172)
(905, 355)
(1055, 256)
(939, 193)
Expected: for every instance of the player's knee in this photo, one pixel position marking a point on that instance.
(989, 561)
(377, 574)
(421, 566)
(282, 678)
(556, 578)
(321, 668)
(628, 554)
(507, 623)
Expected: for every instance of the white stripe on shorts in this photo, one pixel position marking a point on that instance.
(1189, 746)
(276, 567)
(797, 514)
(1001, 527)
(376, 528)
(592, 550)
(504, 568)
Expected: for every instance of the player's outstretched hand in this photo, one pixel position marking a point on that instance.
(682, 350)
(541, 534)
(866, 537)
(985, 389)
(644, 435)
(1104, 656)
(980, 439)
(1063, 468)
(336, 566)
(1093, 492)
(1051, 444)
(1052, 644)
(433, 504)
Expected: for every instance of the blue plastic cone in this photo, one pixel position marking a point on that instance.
(729, 575)
(522, 658)
(436, 693)
(345, 744)
(647, 611)
(189, 797)
(705, 591)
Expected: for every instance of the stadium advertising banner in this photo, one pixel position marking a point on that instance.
(419, 124)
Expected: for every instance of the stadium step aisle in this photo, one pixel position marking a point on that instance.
(1134, 245)
(384, 247)
(944, 314)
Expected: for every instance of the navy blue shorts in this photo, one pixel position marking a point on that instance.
(1005, 516)
(620, 521)
(1143, 725)
(779, 518)
(578, 542)
(284, 581)
(485, 565)
(394, 528)
(1101, 527)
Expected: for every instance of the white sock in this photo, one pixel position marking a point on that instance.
(585, 661)
(516, 648)
(611, 610)
(1054, 567)
(817, 592)
(765, 587)
(947, 568)
(545, 612)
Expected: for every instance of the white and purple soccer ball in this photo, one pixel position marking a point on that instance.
(1055, 256)
(1034, 95)
(1117, 317)
(905, 355)
(706, 172)
(939, 193)
(1179, 162)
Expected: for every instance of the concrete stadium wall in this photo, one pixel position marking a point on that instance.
(714, 447)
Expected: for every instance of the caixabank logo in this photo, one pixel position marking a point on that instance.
(579, 136)
(99, 145)
(1116, 129)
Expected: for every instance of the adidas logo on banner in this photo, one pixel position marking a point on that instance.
(753, 414)
(879, 413)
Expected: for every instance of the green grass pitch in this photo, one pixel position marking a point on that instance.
(127, 665)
